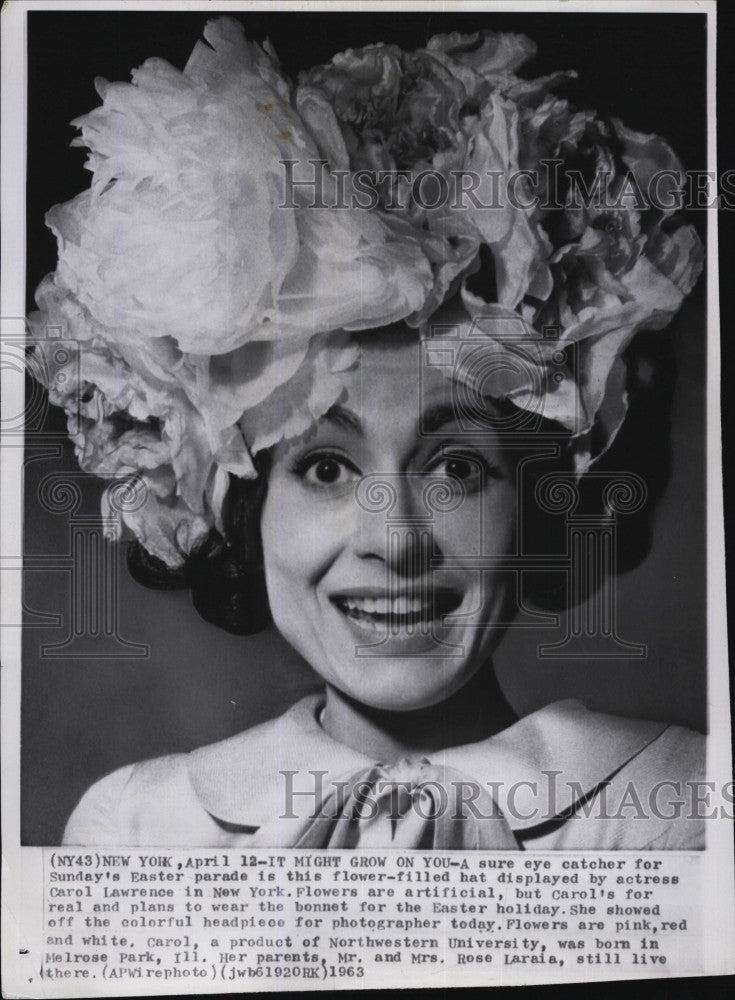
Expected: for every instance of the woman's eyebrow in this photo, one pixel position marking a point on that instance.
(345, 418)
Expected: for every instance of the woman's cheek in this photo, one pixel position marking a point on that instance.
(477, 527)
(498, 514)
(324, 527)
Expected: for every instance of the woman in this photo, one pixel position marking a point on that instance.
(395, 316)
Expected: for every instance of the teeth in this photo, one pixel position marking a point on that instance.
(385, 606)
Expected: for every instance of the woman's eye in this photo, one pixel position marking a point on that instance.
(459, 468)
(327, 470)
(471, 472)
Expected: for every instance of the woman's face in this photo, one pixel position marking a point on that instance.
(382, 529)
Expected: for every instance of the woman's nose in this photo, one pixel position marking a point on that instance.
(394, 524)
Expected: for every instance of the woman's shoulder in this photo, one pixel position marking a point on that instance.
(645, 780)
(163, 801)
(104, 813)
(607, 742)
(658, 751)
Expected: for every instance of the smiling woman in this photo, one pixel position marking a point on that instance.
(351, 579)
(365, 425)
(387, 534)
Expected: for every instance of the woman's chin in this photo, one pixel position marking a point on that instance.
(395, 684)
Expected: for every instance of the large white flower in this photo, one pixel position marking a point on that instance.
(192, 291)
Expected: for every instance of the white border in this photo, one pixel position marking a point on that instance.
(718, 860)
(719, 875)
(369, 6)
(13, 116)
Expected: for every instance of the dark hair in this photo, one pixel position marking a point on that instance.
(225, 573)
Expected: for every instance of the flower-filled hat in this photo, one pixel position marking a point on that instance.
(239, 226)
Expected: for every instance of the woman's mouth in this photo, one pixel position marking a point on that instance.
(398, 612)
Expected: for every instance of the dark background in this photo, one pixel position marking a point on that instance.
(83, 717)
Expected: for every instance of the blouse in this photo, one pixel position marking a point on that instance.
(561, 778)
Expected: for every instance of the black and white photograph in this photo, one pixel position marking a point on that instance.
(368, 488)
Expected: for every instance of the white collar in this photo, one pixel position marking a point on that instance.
(563, 746)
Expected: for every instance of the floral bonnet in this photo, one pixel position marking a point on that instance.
(207, 286)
